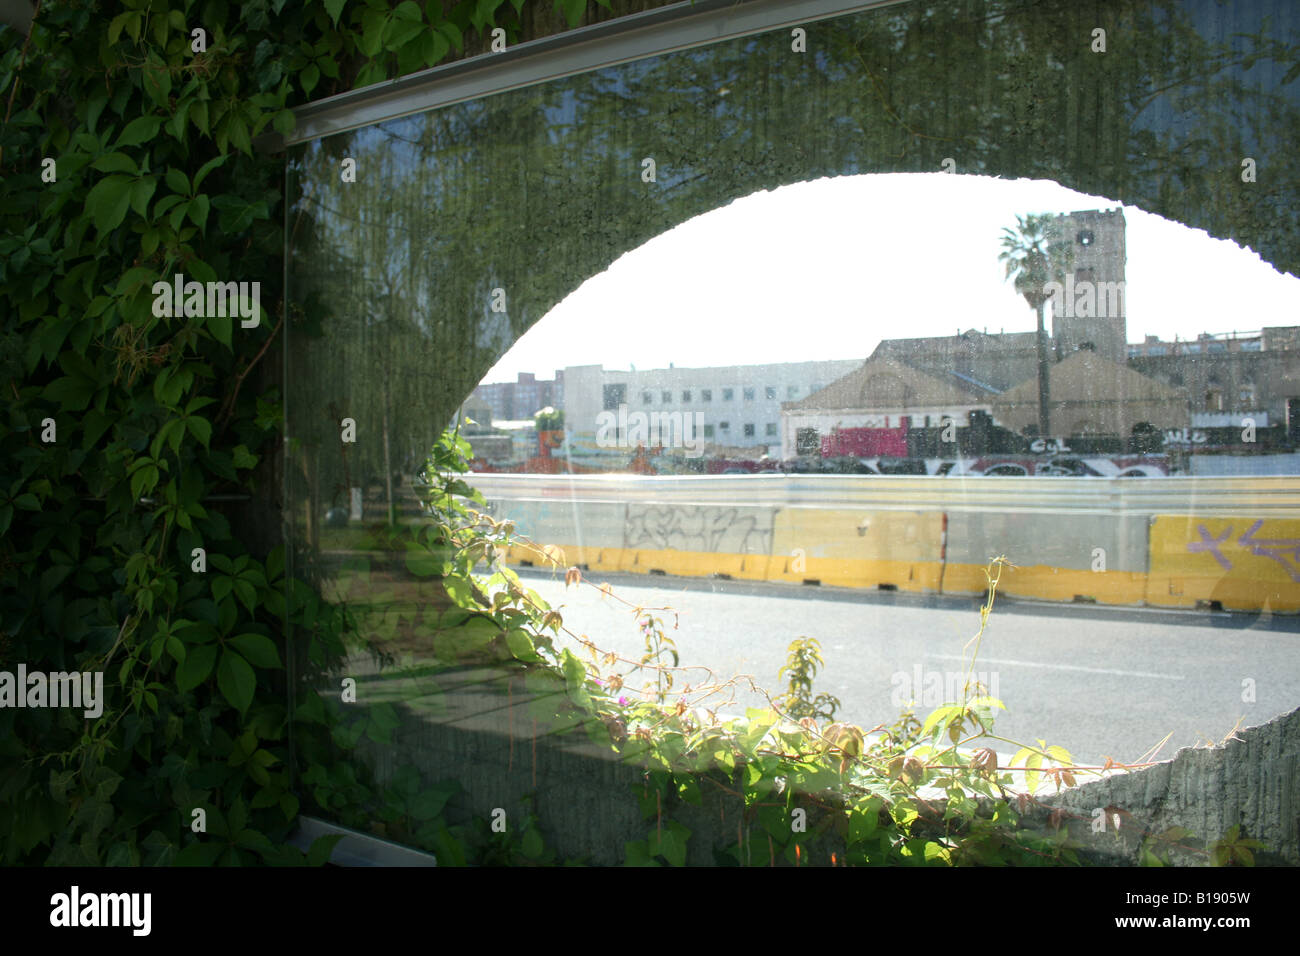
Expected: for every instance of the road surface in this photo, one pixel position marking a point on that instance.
(1098, 681)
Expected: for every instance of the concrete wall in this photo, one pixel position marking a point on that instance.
(586, 799)
(1173, 542)
(1252, 782)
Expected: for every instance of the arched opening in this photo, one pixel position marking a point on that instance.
(420, 291)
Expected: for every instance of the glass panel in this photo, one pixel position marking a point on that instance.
(674, 228)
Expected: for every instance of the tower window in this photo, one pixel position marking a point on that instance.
(1085, 238)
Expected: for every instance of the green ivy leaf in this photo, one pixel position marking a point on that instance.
(429, 803)
(142, 129)
(196, 667)
(221, 327)
(243, 458)
(200, 428)
(177, 182)
(670, 843)
(115, 163)
(371, 40)
(521, 646)
(72, 392)
(258, 650)
(236, 680)
(108, 202)
(575, 677)
(157, 79)
(334, 8)
(308, 79)
(400, 32)
(118, 23)
(141, 193)
(176, 648)
(247, 594)
(573, 10)
(452, 33)
(199, 114)
(237, 214)
(532, 847)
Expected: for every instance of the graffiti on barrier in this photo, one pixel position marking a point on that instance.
(698, 528)
(1285, 551)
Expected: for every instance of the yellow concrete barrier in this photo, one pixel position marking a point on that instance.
(1242, 563)
(696, 564)
(862, 549)
(1049, 583)
(1114, 551)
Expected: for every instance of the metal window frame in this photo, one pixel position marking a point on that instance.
(680, 26)
(357, 849)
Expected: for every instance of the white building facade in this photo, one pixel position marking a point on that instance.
(736, 406)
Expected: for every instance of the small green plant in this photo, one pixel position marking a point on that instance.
(803, 661)
(657, 646)
(1234, 849)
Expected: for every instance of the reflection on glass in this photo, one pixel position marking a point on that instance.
(768, 388)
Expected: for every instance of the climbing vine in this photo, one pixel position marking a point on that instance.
(135, 435)
(806, 789)
(131, 433)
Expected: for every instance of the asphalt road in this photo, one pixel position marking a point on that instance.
(1098, 681)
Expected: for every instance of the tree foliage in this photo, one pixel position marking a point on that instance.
(127, 156)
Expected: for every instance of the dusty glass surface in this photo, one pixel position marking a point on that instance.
(851, 483)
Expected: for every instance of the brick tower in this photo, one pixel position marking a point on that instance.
(1089, 311)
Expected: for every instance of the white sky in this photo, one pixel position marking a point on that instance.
(826, 269)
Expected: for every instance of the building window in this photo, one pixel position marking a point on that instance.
(749, 431)
(708, 431)
(1251, 345)
(614, 396)
(769, 392)
(806, 441)
(1192, 348)
(749, 394)
(1134, 351)
(1218, 346)
(1157, 350)
(728, 394)
(646, 398)
(686, 395)
(724, 426)
(771, 429)
(792, 391)
(706, 394)
(667, 398)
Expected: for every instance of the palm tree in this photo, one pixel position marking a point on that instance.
(1034, 257)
